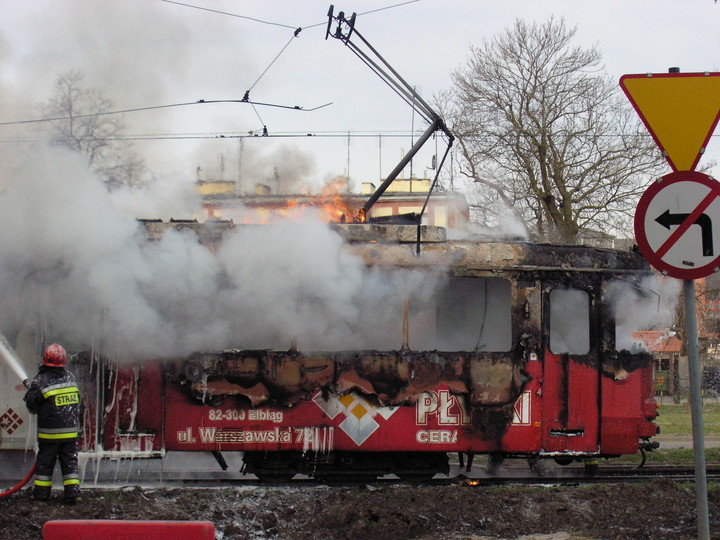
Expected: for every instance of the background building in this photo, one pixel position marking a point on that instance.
(221, 200)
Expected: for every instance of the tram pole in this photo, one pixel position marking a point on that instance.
(696, 409)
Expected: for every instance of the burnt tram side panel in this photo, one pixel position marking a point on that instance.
(517, 356)
(533, 394)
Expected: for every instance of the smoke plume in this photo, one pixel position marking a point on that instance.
(649, 306)
(77, 263)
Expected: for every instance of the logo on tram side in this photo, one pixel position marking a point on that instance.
(360, 415)
(10, 421)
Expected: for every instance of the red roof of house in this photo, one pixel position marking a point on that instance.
(659, 341)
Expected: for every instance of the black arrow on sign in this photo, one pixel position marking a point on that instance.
(667, 220)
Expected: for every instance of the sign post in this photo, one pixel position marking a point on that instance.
(677, 222)
(696, 412)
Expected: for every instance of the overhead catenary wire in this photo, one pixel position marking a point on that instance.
(245, 99)
(386, 7)
(234, 135)
(154, 107)
(297, 32)
(227, 13)
(367, 12)
(247, 93)
(262, 122)
(272, 23)
(252, 133)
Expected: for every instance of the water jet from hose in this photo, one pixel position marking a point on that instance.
(8, 354)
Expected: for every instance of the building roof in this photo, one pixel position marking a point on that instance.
(659, 341)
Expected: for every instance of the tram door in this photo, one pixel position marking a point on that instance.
(571, 372)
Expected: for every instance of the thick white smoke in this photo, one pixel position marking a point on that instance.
(76, 262)
(285, 169)
(651, 306)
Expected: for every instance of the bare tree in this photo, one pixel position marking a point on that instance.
(80, 122)
(544, 134)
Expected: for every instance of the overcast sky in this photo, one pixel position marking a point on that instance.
(144, 53)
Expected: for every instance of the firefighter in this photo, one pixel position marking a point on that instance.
(53, 396)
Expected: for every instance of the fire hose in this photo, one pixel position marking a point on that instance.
(20, 484)
(30, 473)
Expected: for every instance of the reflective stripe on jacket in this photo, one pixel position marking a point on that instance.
(53, 396)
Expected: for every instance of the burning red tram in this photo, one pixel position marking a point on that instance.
(521, 350)
(520, 353)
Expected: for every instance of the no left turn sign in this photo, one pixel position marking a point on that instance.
(677, 225)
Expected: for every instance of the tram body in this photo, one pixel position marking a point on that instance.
(519, 353)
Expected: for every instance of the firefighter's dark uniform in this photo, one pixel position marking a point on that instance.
(53, 396)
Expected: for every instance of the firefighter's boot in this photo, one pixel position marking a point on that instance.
(40, 493)
(72, 494)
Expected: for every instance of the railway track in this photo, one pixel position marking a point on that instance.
(605, 475)
(178, 471)
(512, 475)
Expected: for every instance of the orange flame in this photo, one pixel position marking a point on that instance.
(331, 203)
(361, 217)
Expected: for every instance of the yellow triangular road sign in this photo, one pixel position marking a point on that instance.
(680, 110)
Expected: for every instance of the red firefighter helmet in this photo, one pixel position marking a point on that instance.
(55, 356)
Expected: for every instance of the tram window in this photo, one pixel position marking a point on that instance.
(569, 321)
(474, 314)
(638, 306)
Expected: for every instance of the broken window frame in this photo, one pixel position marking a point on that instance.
(583, 317)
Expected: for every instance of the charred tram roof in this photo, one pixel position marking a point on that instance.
(498, 256)
(396, 245)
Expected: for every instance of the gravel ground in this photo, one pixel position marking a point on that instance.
(652, 510)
